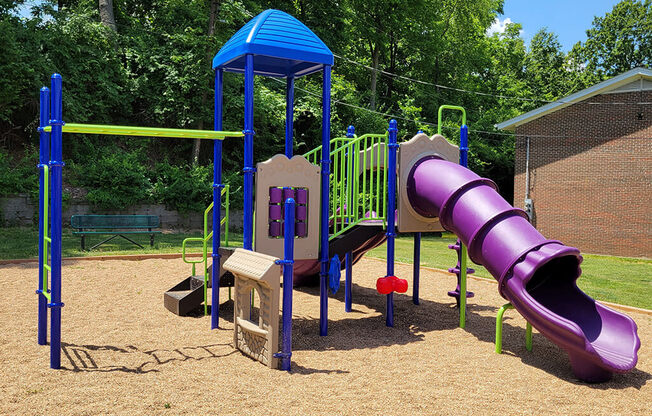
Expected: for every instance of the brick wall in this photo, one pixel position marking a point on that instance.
(592, 189)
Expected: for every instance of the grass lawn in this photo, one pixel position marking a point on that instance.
(21, 243)
(621, 280)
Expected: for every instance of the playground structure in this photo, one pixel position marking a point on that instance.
(370, 188)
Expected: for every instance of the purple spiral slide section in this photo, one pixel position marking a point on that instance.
(538, 276)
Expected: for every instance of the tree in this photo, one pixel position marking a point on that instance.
(545, 67)
(618, 41)
(106, 14)
(212, 14)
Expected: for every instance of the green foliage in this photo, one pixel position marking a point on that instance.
(619, 41)
(20, 176)
(115, 179)
(155, 71)
(183, 188)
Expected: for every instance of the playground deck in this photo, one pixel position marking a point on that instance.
(124, 353)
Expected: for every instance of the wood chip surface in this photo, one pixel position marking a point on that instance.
(124, 353)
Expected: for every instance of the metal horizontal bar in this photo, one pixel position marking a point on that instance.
(145, 131)
(48, 239)
(46, 266)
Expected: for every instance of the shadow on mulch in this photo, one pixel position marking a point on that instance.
(81, 357)
(411, 321)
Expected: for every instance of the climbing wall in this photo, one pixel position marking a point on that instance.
(276, 180)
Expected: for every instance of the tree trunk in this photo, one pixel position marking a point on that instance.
(196, 146)
(392, 66)
(106, 14)
(375, 57)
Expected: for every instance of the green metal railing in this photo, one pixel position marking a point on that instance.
(205, 239)
(358, 180)
(46, 240)
(145, 131)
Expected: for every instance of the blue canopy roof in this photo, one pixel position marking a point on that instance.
(282, 46)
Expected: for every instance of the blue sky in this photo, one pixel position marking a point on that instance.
(569, 19)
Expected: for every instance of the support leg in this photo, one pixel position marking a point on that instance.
(499, 330)
(347, 283)
(416, 268)
(499, 327)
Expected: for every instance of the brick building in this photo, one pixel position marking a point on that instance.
(585, 162)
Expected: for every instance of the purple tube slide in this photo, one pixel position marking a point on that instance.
(538, 276)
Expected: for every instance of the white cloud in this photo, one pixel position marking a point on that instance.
(498, 26)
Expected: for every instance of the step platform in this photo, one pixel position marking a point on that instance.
(188, 294)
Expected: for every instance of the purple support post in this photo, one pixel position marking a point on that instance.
(217, 202)
(416, 268)
(391, 208)
(289, 117)
(348, 280)
(288, 266)
(325, 172)
(44, 158)
(56, 164)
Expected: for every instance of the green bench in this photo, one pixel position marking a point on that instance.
(115, 225)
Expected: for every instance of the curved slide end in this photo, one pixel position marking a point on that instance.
(599, 340)
(538, 276)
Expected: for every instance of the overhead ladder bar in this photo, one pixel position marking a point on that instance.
(145, 131)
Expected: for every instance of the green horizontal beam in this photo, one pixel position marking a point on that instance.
(145, 131)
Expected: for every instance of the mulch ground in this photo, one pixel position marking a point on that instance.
(124, 353)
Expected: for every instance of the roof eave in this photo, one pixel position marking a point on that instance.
(586, 93)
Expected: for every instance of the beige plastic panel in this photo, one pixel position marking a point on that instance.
(410, 153)
(253, 265)
(375, 157)
(258, 340)
(295, 172)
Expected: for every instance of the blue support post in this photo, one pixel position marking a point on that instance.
(289, 117)
(391, 208)
(325, 172)
(288, 272)
(416, 268)
(348, 280)
(56, 164)
(44, 158)
(464, 146)
(248, 226)
(217, 202)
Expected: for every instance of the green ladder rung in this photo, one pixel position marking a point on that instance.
(46, 266)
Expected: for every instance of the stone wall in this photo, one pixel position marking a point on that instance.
(19, 210)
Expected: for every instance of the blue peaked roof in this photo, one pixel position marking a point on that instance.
(281, 45)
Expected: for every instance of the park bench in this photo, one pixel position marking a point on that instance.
(114, 225)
